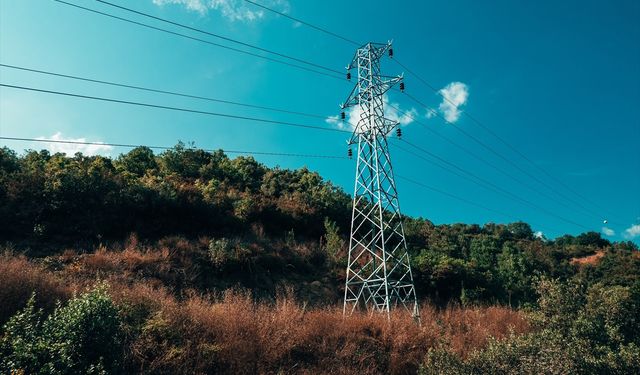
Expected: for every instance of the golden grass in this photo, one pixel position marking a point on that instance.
(236, 335)
(589, 259)
(19, 278)
(197, 332)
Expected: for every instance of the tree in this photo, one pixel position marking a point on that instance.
(247, 172)
(520, 231)
(441, 275)
(9, 161)
(184, 162)
(483, 251)
(137, 161)
(513, 272)
(591, 239)
(333, 243)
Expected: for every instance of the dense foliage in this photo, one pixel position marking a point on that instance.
(577, 330)
(82, 337)
(171, 232)
(56, 199)
(50, 202)
(499, 263)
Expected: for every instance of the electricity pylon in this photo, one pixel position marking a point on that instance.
(378, 271)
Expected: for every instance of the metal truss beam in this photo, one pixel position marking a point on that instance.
(378, 275)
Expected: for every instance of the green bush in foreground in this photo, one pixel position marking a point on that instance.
(82, 337)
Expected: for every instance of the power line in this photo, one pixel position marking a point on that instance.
(220, 36)
(255, 153)
(495, 135)
(174, 108)
(464, 113)
(507, 160)
(448, 194)
(439, 191)
(198, 39)
(305, 23)
(465, 174)
(259, 5)
(170, 148)
(486, 183)
(478, 157)
(111, 83)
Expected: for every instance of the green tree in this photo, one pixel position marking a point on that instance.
(513, 272)
(183, 161)
(520, 231)
(137, 161)
(483, 251)
(333, 242)
(441, 276)
(591, 239)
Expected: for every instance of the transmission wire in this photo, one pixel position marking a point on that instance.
(169, 148)
(174, 108)
(111, 83)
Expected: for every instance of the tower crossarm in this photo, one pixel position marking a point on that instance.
(356, 96)
(384, 128)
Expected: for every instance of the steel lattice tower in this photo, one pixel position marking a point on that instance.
(378, 271)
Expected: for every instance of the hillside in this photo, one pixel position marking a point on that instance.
(209, 264)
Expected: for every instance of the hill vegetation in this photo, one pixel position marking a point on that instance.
(192, 262)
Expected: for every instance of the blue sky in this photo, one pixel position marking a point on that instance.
(559, 81)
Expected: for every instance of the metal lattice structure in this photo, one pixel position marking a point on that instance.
(378, 275)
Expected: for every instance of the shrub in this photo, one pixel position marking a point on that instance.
(333, 243)
(22, 348)
(82, 337)
(220, 251)
(441, 361)
(543, 352)
(579, 331)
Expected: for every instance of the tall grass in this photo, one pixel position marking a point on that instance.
(193, 330)
(19, 278)
(234, 334)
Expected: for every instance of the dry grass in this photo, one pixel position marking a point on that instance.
(589, 259)
(235, 335)
(466, 329)
(169, 261)
(201, 333)
(19, 278)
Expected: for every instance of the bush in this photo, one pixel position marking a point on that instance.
(579, 331)
(541, 352)
(333, 243)
(220, 251)
(83, 337)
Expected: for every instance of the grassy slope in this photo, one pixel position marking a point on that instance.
(199, 332)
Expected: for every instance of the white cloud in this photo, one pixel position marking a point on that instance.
(402, 116)
(70, 148)
(233, 10)
(539, 235)
(352, 114)
(454, 96)
(632, 232)
(336, 121)
(608, 231)
(405, 118)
